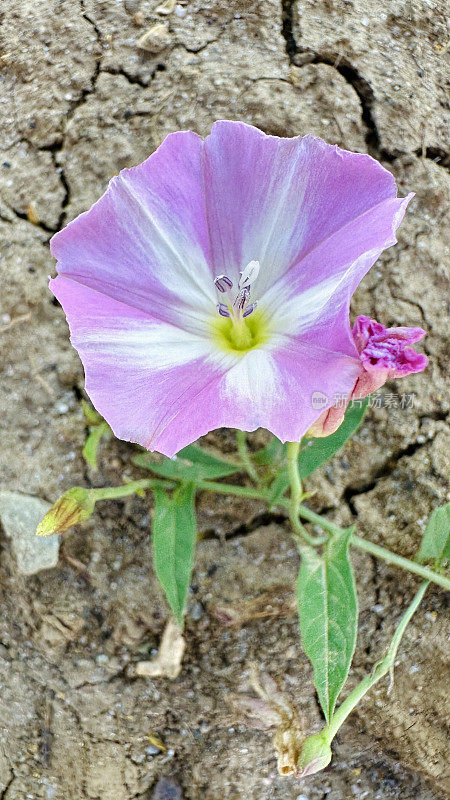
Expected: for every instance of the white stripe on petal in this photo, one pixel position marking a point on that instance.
(252, 385)
(292, 313)
(144, 344)
(184, 261)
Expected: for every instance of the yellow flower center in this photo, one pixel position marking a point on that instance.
(240, 334)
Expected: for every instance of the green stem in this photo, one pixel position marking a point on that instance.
(112, 492)
(379, 670)
(244, 455)
(376, 550)
(331, 527)
(292, 450)
(230, 488)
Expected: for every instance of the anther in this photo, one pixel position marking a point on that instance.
(223, 283)
(241, 299)
(249, 310)
(223, 310)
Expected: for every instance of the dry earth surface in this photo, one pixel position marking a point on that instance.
(79, 100)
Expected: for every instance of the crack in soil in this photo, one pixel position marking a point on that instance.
(135, 80)
(383, 472)
(8, 785)
(350, 74)
(299, 56)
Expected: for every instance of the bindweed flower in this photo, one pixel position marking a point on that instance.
(74, 506)
(384, 353)
(210, 285)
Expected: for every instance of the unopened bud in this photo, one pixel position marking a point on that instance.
(74, 506)
(315, 755)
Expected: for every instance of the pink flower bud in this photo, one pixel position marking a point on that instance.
(384, 354)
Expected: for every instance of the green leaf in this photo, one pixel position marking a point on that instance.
(277, 488)
(92, 442)
(174, 544)
(192, 464)
(436, 539)
(328, 610)
(270, 453)
(315, 452)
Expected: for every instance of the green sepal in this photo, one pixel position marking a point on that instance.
(271, 453)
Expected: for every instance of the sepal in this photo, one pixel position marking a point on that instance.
(74, 506)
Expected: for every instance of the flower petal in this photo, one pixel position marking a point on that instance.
(145, 242)
(164, 387)
(275, 199)
(276, 390)
(140, 372)
(316, 292)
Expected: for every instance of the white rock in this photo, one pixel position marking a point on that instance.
(20, 515)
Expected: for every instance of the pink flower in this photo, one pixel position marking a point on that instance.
(210, 285)
(384, 354)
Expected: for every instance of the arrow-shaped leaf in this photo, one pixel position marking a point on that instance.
(92, 442)
(328, 610)
(174, 544)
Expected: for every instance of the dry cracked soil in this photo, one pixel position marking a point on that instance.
(80, 100)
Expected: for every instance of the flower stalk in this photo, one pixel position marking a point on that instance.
(293, 449)
(54, 522)
(78, 504)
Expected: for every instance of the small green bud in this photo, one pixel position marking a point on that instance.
(315, 755)
(72, 507)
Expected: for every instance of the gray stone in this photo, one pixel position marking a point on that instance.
(167, 789)
(20, 515)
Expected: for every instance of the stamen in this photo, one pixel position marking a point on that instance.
(223, 310)
(249, 310)
(241, 299)
(249, 274)
(223, 283)
(240, 307)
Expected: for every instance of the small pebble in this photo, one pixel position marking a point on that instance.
(196, 611)
(167, 789)
(152, 750)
